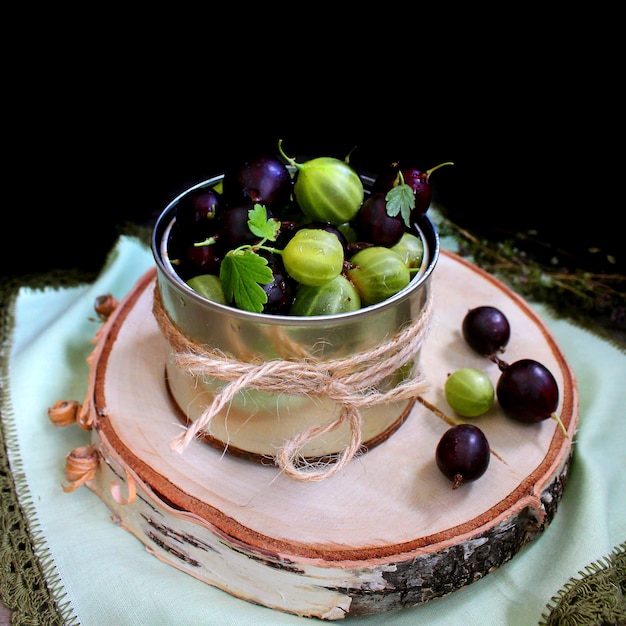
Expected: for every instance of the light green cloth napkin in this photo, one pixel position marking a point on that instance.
(109, 578)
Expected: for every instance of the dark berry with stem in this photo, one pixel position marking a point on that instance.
(373, 224)
(486, 330)
(197, 259)
(196, 212)
(415, 178)
(463, 454)
(232, 226)
(527, 391)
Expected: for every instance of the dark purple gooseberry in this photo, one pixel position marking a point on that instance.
(281, 290)
(286, 231)
(486, 330)
(415, 178)
(373, 224)
(232, 226)
(527, 391)
(264, 179)
(196, 260)
(463, 454)
(196, 213)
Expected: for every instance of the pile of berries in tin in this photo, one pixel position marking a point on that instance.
(280, 237)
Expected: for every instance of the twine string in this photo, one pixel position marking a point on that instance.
(351, 382)
(289, 459)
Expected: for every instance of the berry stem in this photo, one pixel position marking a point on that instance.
(399, 180)
(432, 169)
(558, 420)
(209, 241)
(261, 246)
(347, 159)
(502, 365)
(253, 247)
(289, 160)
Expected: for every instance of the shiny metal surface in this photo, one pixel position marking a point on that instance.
(241, 333)
(257, 423)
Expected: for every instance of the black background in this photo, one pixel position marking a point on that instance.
(88, 153)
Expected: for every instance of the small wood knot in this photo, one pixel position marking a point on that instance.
(105, 305)
(81, 465)
(64, 412)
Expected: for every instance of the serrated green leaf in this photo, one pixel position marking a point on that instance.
(260, 225)
(242, 273)
(400, 199)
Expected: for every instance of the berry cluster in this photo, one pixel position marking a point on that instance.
(526, 391)
(280, 237)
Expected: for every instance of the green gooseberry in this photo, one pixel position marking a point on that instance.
(411, 250)
(313, 256)
(208, 286)
(326, 189)
(338, 295)
(378, 273)
(469, 392)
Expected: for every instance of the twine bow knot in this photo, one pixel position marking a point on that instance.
(351, 382)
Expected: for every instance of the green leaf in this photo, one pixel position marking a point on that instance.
(242, 273)
(400, 199)
(260, 225)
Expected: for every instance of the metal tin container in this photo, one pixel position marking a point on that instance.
(257, 423)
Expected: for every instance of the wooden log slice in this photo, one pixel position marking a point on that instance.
(387, 531)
